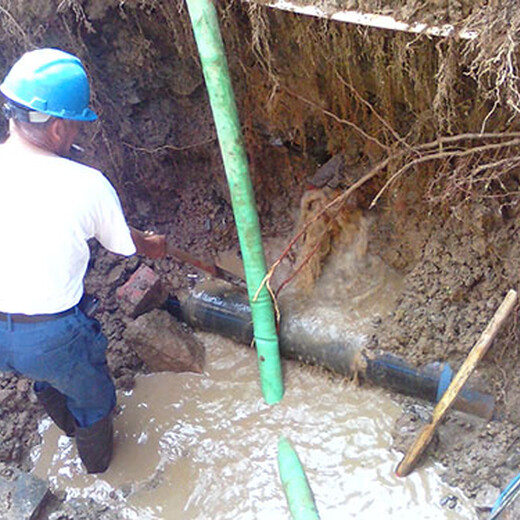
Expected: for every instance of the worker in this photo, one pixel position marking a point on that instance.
(50, 206)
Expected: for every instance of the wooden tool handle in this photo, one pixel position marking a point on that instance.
(183, 256)
(211, 268)
(476, 354)
(407, 465)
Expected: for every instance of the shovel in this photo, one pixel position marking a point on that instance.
(210, 268)
(407, 465)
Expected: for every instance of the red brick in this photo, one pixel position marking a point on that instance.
(143, 292)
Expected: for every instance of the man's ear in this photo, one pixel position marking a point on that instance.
(60, 135)
(56, 132)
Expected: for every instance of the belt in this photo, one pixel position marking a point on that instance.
(35, 318)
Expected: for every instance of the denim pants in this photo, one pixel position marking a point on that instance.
(67, 353)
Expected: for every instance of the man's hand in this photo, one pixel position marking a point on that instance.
(155, 245)
(149, 243)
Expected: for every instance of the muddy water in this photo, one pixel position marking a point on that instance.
(349, 296)
(205, 446)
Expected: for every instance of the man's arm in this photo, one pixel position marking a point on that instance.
(148, 243)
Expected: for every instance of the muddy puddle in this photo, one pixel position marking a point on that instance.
(205, 446)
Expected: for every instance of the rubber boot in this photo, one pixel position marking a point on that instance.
(55, 404)
(95, 444)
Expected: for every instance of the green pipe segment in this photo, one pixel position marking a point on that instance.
(205, 26)
(297, 490)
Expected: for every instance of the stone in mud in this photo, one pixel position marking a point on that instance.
(165, 344)
(143, 292)
(22, 496)
(486, 496)
(330, 174)
(116, 274)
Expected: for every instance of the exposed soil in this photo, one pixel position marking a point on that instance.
(302, 88)
(452, 291)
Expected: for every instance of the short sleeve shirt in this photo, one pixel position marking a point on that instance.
(50, 207)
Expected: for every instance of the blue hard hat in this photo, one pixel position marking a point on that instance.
(52, 82)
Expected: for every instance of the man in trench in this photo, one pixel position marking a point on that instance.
(50, 206)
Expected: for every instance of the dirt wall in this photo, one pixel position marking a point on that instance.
(307, 89)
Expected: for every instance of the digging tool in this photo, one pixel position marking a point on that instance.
(407, 465)
(210, 268)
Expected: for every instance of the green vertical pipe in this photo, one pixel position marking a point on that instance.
(297, 490)
(214, 66)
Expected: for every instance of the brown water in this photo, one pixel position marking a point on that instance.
(205, 446)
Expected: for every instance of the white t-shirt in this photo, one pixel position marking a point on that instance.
(49, 207)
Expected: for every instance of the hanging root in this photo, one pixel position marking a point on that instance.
(11, 27)
(78, 11)
(323, 218)
(494, 57)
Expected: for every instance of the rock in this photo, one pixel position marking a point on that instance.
(132, 263)
(143, 292)
(22, 496)
(513, 461)
(486, 496)
(5, 394)
(330, 173)
(116, 274)
(165, 344)
(23, 386)
(126, 382)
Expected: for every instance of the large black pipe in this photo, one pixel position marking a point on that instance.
(226, 311)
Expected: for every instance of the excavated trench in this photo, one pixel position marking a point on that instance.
(203, 446)
(308, 91)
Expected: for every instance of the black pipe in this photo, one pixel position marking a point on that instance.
(215, 309)
(428, 383)
(226, 311)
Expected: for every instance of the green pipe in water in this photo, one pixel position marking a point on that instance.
(297, 490)
(204, 21)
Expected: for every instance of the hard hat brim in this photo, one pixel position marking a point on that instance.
(51, 82)
(86, 115)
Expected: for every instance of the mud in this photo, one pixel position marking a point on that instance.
(460, 277)
(457, 250)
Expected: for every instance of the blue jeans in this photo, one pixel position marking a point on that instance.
(67, 353)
